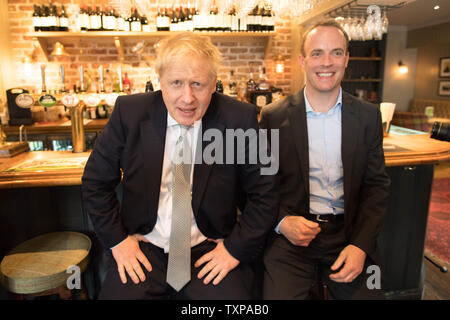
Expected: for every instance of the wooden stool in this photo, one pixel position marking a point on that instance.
(38, 266)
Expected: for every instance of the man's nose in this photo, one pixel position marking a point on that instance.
(327, 60)
(188, 96)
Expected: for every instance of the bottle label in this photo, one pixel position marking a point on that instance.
(135, 26)
(165, 22)
(64, 22)
(126, 26)
(37, 22)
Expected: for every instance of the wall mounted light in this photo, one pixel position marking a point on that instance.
(402, 68)
(59, 50)
(279, 61)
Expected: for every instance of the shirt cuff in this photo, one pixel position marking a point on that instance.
(277, 228)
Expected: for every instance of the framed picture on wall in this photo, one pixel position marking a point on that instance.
(444, 67)
(444, 88)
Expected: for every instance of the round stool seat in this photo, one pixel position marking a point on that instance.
(41, 263)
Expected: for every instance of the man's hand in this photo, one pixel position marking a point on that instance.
(298, 230)
(353, 259)
(128, 255)
(219, 263)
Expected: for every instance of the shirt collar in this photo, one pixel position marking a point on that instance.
(337, 105)
(172, 122)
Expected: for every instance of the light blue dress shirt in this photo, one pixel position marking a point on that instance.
(326, 174)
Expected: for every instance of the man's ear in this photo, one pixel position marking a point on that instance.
(214, 86)
(301, 61)
(347, 58)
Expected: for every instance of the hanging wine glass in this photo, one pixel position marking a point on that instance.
(377, 27)
(384, 22)
(368, 28)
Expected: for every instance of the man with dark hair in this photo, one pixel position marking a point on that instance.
(333, 185)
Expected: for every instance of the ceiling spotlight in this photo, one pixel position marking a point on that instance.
(436, 7)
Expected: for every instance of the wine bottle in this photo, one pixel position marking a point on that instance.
(196, 20)
(212, 18)
(53, 19)
(91, 17)
(263, 84)
(126, 84)
(173, 20)
(135, 22)
(159, 17)
(113, 20)
(63, 20)
(84, 19)
(149, 86)
(127, 24)
(219, 86)
(189, 13)
(36, 18)
(44, 18)
(98, 18)
(251, 84)
(144, 24)
(232, 86)
(181, 19)
(163, 20)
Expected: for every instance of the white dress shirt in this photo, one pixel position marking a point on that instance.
(160, 234)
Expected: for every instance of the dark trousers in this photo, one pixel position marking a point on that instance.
(235, 286)
(290, 271)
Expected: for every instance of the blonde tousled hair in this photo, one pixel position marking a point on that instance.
(186, 45)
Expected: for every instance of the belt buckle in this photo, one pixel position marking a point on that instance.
(319, 219)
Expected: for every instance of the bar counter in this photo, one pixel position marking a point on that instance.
(50, 168)
(41, 193)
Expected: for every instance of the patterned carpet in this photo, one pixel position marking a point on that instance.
(438, 227)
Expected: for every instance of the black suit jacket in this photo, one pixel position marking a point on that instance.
(133, 142)
(366, 184)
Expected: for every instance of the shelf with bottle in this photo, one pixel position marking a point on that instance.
(119, 37)
(169, 18)
(104, 22)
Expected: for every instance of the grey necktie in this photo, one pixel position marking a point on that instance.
(179, 265)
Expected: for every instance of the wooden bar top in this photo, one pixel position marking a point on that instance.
(64, 168)
(62, 126)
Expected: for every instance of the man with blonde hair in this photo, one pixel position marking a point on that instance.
(176, 233)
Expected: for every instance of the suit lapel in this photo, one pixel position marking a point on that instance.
(350, 116)
(299, 127)
(153, 137)
(202, 170)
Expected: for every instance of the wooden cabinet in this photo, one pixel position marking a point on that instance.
(364, 75)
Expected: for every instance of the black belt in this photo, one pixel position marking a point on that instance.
(325, 217)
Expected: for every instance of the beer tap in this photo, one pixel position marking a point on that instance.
(72, 102)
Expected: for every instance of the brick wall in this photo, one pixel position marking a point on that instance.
(237, 55)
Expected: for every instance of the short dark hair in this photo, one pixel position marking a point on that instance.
(323, 23)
